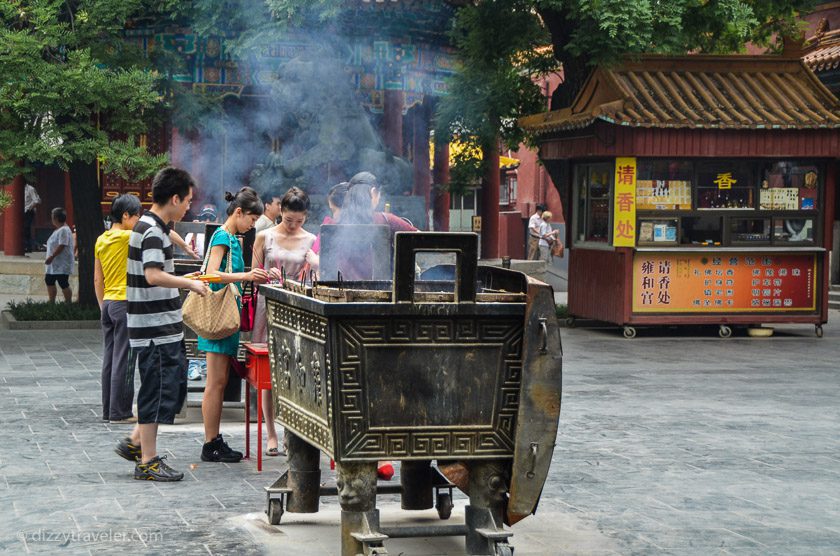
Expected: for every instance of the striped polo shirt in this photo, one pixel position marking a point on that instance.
(154, 312)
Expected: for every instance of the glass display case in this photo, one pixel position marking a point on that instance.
(664, 185)
(725, 186)
(593, 189)
(658, 231)
(701, 231)
(787, 185)
(793, 231)
(749, 230)
(718, 203)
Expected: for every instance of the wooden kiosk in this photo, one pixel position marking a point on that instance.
(700, 190)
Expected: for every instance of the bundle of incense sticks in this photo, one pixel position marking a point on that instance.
(204, 277)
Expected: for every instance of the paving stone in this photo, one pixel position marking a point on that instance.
(668, 444)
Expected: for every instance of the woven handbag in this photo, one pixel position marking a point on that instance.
(216, 315)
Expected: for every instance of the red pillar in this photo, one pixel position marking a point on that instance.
(176, 148)
(440, 177)
(392, 121)
(490, 204)
(13, 220)
(422, 170)
(830, 186)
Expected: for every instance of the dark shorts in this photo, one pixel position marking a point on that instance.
(163, 381)
(62, 279)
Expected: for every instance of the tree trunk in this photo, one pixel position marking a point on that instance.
(13, 219)
(87, 212)
(575, 68)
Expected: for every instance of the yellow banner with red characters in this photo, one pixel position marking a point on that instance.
(624, 210)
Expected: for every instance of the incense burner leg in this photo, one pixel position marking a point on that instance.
(484, 515)
(416, 478)
(359, 517)
(304, 475)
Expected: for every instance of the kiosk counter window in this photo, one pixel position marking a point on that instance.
(715, 241)
(709, 203)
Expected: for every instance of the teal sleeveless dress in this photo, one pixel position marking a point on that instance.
(229, 345)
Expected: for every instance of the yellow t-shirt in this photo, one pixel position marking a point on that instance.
(112, 251)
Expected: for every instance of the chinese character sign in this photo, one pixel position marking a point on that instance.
(725, 181)
(624, 211)
(706, 282)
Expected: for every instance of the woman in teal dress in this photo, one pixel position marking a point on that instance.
(244, 209)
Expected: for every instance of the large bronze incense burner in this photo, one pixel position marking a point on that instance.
(465, 371)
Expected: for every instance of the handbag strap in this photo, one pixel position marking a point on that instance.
(236, 291)
(207, 253)
(229, 265)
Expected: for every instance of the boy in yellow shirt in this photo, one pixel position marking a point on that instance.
(109, 281)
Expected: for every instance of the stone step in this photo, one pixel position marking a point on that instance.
(23, 277)
(834, 297)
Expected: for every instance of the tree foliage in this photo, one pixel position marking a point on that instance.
(585, 33)
(74, 93)
(72, 90)
(501, 50)
(502, 47)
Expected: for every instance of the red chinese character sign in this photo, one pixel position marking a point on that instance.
(723, 283)
(624, 208)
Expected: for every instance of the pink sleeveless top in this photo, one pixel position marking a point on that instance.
(276, 256)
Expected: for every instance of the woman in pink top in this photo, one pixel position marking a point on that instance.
(335, 200)
(286, 246)
(356, 259)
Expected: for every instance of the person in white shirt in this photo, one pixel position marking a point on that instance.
(269, 216)
(31, 200)
(534, 224)
(548, 236)
(59, 262)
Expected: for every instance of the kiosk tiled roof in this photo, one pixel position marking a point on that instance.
(719, 92)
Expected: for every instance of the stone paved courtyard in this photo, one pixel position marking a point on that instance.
(676, 442)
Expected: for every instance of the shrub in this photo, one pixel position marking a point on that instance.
(562, 311)
(6, 200)
(44, 310)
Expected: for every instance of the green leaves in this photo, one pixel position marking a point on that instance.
(502, 49)
(66, 94)
(6, 200)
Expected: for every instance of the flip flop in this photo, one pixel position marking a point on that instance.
(273, 452)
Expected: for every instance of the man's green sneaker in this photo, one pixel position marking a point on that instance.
(126, 450)
(156, 470)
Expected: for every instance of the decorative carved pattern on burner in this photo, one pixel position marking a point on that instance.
(317, 395)
(297, 320)
(301, 372)
(297, 359)
(306, 425)
(281, 363)
(485, 345)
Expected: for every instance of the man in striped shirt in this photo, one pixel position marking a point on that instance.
(155, 328)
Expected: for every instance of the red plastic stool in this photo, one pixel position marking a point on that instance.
(259, 376)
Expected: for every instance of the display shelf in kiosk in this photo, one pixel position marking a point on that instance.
(696, 195)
